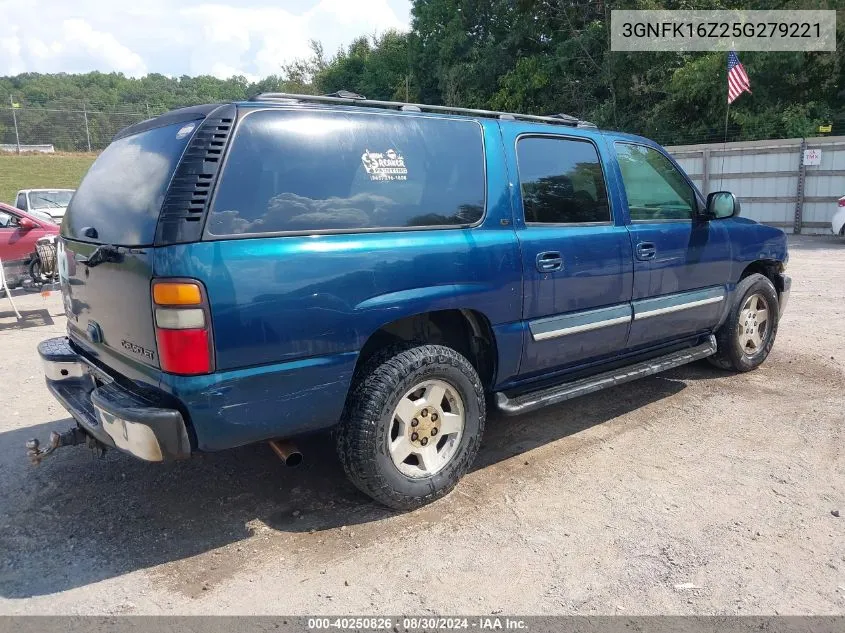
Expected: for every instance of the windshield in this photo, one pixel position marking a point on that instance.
(121, 195)
(50, 199)
(42, 215)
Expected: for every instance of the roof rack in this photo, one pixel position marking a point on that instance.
(350, 98)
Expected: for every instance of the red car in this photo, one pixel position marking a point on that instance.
(18, 232)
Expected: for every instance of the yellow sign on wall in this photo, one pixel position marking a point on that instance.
(825, 128)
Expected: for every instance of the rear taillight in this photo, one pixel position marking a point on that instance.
(183, 327)
(842, 201)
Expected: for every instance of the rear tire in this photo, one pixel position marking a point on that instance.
(412, 426)
(748, 334)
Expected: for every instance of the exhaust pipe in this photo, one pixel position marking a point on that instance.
(287, 452)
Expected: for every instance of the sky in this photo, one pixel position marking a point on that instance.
(182, 37)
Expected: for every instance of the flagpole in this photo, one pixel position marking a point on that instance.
(724, 147)
(15, 119)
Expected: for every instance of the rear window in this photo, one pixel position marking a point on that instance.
(121, 195)
(307, 171)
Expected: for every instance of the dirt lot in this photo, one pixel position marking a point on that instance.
(692, 492)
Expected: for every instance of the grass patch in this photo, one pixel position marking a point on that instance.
(35, 171)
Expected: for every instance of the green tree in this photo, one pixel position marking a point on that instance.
(377, 68)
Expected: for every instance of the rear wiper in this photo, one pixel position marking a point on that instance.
(102, 254)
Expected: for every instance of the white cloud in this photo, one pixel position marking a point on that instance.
(10, 53)
(259, 40)
(176, 37)
(81, 42)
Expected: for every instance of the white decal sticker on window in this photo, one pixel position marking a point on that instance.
(389, 165)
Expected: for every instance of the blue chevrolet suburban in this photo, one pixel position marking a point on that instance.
(255, 271)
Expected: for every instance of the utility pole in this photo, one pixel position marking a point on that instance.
(15, 119)
(87, 132)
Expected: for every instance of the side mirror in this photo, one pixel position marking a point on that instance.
(26, 224)
(721, 205)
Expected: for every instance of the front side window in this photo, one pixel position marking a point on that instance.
(21, 202)
(561, 181)
(334, 171)
(7, 220)
(656, 190)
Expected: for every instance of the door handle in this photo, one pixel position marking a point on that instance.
(549, 261)
(646, 250)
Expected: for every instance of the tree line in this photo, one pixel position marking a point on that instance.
(532, 56)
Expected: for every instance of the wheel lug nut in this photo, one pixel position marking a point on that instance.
(434, 417)
(415, 422)
(414, 437)
(434, 431)
(424, 441)
(424, 412)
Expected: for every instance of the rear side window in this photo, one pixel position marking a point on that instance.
(121, 195)
(307, 171)
(655, 189)
(561, 181)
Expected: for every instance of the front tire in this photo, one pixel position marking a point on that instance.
(748, 334)
(412, 426)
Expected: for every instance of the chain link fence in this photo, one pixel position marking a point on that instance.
(46, 129)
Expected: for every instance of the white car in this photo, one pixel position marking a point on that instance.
(51, 201)
(837, 224)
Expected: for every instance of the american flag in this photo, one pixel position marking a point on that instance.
(737, 78)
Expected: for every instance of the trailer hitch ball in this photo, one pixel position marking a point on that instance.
(71, 437)
(34, 451)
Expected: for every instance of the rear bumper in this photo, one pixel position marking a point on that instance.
(135, 423)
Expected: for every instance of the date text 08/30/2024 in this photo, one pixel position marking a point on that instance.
(483, 623)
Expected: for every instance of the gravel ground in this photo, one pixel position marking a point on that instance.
(696, 491)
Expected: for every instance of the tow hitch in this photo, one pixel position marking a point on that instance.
(71, 437)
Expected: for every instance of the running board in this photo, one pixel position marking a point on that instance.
(559, 393)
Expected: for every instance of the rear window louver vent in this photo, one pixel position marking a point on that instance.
(186, 201)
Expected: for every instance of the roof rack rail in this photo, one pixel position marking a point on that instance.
(563, 117)
(357, 100)
(345, 94)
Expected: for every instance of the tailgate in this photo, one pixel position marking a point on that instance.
(106, 295)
